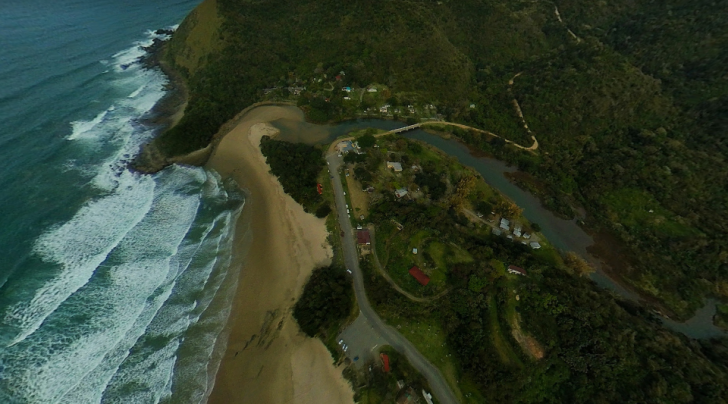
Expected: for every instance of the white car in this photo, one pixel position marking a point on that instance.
(346, 348)
(348, 270)
(341, 341)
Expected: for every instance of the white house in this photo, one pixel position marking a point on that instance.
(505, 224)
(517, 230)
(400, 192)
(414, 251)
(371, 90)
(535, 245)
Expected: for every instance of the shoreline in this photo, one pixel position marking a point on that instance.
(267, 358)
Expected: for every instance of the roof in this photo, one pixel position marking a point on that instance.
(385, 361)
(363, 237)
(395, 165)
(419, 275)
(517, 269)
(400, 192)
(535, 245)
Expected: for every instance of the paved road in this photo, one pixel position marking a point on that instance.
(440, 388)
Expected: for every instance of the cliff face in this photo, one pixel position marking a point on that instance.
(197, 38)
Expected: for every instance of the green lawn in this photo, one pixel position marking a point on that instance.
(632, 208)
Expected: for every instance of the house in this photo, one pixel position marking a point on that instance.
(504, 224)
(383, 109)
(371, 90)
(347, 98)
(535, 245)
(345, 147)
(394, 165)
(512, 269)
(411, 109)
(427, 396)
(414, 251)
(400, 384)
(347, 89)
(517, 230)
(363, 237)
(419, 275)
(385, 362)
(400, 192)
(320, 189)
(472, 106)
(526, 236)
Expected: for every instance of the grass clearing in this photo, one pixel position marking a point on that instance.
(637, 209)
(500, 342)
(430, 339)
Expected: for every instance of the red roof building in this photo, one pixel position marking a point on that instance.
(385, 361)
(320, 188)
(363, 237)
(517, 270)
(419, 275)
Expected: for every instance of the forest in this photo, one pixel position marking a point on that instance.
(297, 167)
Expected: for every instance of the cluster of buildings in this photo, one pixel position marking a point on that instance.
(505, 225)
(347, 146)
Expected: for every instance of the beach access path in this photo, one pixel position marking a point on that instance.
(437, 382)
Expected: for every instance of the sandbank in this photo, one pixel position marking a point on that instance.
(268, 359)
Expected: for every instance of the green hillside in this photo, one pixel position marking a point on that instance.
(628, 99)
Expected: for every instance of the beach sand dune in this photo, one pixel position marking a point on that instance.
(268, 359)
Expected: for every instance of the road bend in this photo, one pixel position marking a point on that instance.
(439, 386)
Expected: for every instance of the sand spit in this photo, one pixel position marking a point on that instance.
(268, 359)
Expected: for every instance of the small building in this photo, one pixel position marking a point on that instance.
(517, 230)
(400, 384)
(495, 231)
(346, 89)
(347, 98)
(472, 106)
(320, 189)
(505, 224)
(363, 237)
(535, 245)
(414, 251)
(383, 109)
(394, 166)
(419, 275)
(371, 90)
(512, 269)
(526, 236)
(427, 396)
(400, 192)
(345, 146)
(385, 362)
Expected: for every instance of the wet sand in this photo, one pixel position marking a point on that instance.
(268, 359)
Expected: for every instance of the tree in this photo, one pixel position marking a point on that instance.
(367, 141)
(507, 208)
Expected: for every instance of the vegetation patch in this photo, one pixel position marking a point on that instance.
(326, 300)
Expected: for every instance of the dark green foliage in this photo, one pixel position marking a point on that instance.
(297, 166)
(352, 157)
(323, 210)
(431, 182)
(367, 141)
(327, 299)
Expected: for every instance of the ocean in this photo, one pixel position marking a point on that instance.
(114, 285)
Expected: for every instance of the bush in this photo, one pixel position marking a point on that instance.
(326, 299)
(323, 210)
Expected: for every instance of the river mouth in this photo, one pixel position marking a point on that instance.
(564, 234)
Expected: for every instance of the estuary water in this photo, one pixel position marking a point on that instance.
(114, 285)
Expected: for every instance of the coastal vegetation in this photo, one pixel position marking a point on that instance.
(327, 299)
(297, 167)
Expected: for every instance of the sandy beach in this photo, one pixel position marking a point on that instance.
(268, 359)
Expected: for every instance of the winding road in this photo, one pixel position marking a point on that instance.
(440, 388)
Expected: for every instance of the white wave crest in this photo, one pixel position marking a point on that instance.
(78, 247)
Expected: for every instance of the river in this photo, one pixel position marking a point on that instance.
(566, 235)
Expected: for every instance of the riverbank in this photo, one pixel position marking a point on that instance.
(268, 359)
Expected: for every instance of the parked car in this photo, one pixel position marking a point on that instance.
(341, 341)
(348, 270)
